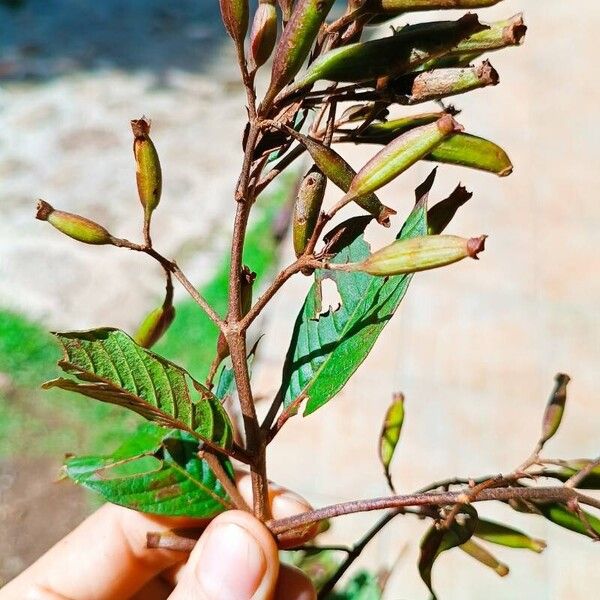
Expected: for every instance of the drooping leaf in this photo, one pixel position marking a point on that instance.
(326, 349)
(111, 367)
(390, 435)
(438, 540)
(157, 471)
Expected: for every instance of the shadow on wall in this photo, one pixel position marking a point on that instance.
(41, 39)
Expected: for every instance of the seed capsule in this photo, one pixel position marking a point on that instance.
(341, 173)
(392, 56)
(499, 35)
(555, 409)
(390, 435)
(396, 7)
(441, 83)
(307, 207)
(154, 326)
(76, 227)
(295, 43)
(417, 254)
(148, 172)
(472, 152)
(496, 533)
(235, 19)
(384, 133)
(440, 215)
(480, 554)
(560, 515)
(264, 32)
(399, 155)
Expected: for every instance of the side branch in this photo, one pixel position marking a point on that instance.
(540, 494)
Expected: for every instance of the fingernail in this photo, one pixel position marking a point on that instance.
(231, 563)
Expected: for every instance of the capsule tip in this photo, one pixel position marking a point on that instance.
(43, 210)
(447, 124)
(141, 127)
(515, 31)
(384, 216)
(476, 245)
(487, 74)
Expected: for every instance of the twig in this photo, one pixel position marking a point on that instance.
(228, 485)
(356, 551)
(578, 477)
(542, 494)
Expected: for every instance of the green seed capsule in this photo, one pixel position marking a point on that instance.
(148, 172)
(235, 19)
(440, 215)
(496, 533)
(76, 227)
(341, 173)
(555, 409)
(560, 515)
(392, 56)
(154, 326)
(384, 133)
(307, 208)
(417, 254)
(264, 32)
(497, 36)
(295, 43)
(390, 435)
(399, 155)
(472, 152)
(441, 83)
(480, 554)
(396, 7)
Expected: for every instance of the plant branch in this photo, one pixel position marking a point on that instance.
(228, 485)
(356, 551)
(502, 494)
(576, 479)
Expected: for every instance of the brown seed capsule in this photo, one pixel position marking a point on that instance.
(417, 254)
(264, 32)
(76, 227)
(307, 207)
(235, 19)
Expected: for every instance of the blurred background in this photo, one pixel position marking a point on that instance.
(474, 347)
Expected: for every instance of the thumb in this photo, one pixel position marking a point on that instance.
(235, 559)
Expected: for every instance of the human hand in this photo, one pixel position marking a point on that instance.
(106, 558)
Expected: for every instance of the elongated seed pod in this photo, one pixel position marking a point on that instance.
(148, 171)
(235, 19)
(472, 152)
(390, 435)
(76, 227)
(480, 554)
(399, 155)
(392, 56)
(499, 35)
(497, 533)
(555, 408)
(341, 173)
(440, 215)
(264, 32)
(396, 7)
(441, 83)
(307, 208)
(417, 254)
(295, 43)
(154, 326)
(384, 133)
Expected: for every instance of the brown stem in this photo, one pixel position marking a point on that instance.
(228, 485)
(542, 494)
(576, 479)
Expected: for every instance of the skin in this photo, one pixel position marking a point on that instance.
(105, 558)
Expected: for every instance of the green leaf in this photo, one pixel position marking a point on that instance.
(326, 349)
(363, 586)
(503, 535)
(562, 516)
(473, 152)
(390, 435)
(157, 471)
(438, 540)
(112, 368)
